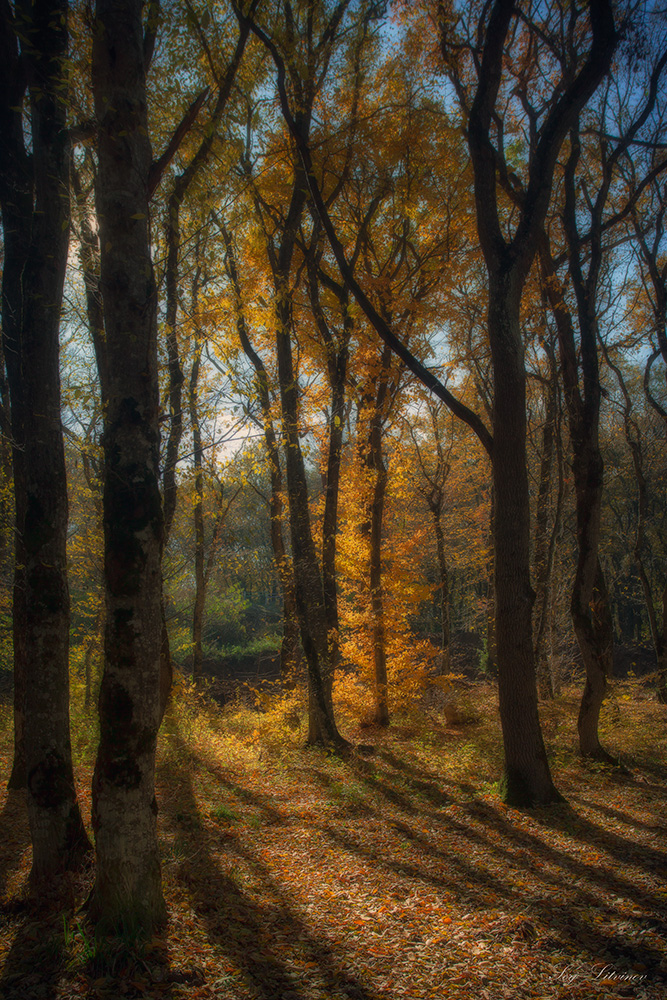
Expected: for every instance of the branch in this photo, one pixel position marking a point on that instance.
(159, 166)
(382, 328)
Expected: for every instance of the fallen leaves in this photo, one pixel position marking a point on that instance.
(404, 877)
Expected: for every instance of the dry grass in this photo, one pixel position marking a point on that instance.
(291, 874)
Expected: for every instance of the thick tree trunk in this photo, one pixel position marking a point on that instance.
(16, 188)
(127, 893)
(18, 776)
(58, 836)
(526, 779)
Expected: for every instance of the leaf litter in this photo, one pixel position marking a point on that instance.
(292, 874)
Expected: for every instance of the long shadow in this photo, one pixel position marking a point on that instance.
(561, 904)
(33, 964)
(566, 820)
(608, 885)
(36, 959)
(246, 932)
(618, 814)
(423, 781)
(569, 928)
(562, 818)
(15, 835)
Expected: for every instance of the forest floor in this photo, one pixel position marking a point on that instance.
(293, 875)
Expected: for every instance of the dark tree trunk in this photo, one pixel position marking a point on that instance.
(491, 653)
(58, 836)
(128, 892)
(526, 778)
(371, 530)
(16, 188)
(337, 353)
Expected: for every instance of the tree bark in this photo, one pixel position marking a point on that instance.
(128, 892)
(58, 836)
(526, 779)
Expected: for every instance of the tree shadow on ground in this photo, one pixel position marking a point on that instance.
(267, 942)
(567, 889)
(465, 850)
(38, 954)
(15, 835)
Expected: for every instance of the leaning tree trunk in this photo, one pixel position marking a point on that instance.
(128, 891)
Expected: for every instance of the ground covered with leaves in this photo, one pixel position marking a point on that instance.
(397, 873)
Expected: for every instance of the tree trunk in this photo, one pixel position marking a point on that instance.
(16, 189)
(307, 577)
(491, 652)
(58, 836)
(337, 353)
(542, 548)
(198, 517)
(594, 630)
(127, 894)
(371, 530)
(526, 779)
(443, 592)
(377, 596)
(662, 653)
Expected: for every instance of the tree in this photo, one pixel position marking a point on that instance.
(481, 55)
(128, 891)
(587, 258)
(35, 206)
